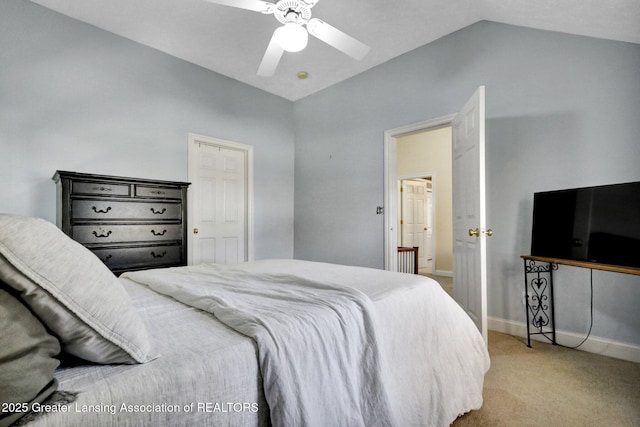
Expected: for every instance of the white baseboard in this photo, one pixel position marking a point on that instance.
(444, 273)
(602, 346)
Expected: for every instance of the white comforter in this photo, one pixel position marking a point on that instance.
(343, 345)
(317, 344)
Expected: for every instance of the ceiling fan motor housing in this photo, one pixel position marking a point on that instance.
(293, 11)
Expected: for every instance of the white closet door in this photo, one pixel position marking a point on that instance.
(218, 203)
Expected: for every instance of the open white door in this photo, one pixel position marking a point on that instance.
(427, 254)
(469, 211)
(414, 219)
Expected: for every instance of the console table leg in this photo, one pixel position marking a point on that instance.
(538, 291)
(526, 308)
(551, 309)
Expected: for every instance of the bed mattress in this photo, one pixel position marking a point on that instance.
(208, 374)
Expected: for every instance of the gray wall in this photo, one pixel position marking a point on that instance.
(77, 98)
(562, 111)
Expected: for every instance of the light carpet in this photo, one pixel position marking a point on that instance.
(549, 385)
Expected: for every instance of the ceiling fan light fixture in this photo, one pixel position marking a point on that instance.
(292, 37)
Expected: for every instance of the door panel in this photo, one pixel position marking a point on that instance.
(230, 200)
(426, 258)
(231, 245)
(207, 204)
(469, 210)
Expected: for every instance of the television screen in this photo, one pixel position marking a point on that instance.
(598, 224)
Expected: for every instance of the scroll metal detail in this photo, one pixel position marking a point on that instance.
(532, 266)
(539, 302)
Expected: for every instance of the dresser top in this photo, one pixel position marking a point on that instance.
(93, 177)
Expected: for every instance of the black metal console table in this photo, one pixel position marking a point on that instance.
(538, 284)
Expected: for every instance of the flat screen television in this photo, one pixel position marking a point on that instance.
(597, 224)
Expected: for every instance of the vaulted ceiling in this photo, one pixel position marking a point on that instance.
(232, 41)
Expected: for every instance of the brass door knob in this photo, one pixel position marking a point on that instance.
(489, 232)
(475, 232)
(426, 228)
(195, 231)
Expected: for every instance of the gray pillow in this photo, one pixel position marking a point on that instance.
(27, 360)
(72, 292)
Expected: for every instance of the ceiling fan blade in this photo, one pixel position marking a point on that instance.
(336, 38)
(255, 5)
(271, 58)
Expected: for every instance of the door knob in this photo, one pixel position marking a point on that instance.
(426, 228)
(475, 232)
(195, 231)
(489, 232)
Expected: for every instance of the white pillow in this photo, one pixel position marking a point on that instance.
(72, 292)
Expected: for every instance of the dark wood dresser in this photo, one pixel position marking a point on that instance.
(129, 223)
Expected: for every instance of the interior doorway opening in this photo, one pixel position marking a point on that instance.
(469, 202)
(417, 219)
(425, 218)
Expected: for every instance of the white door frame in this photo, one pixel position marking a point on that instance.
(391, 195)
(194, 139)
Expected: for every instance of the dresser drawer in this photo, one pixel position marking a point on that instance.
(101, 189)
(114, 210)
(126, 233)
(139, 257)
(158, 192)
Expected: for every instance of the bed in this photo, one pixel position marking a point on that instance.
(271, 342)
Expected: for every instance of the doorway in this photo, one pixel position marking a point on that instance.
(411, 135)
(469, 205)
(425, 157)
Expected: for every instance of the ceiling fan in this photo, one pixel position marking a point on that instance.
(292, 36)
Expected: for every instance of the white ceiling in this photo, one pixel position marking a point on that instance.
(232, 41)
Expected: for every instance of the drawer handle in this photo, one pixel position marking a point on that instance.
(96, 210)
(158, 234)
(158, 192)
(153, 254)
(155, 212)
(107, 258)
(95, 233)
